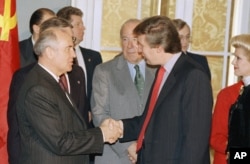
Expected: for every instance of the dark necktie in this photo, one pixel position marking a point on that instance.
(152, 102)
(139, 80)
(63, 83)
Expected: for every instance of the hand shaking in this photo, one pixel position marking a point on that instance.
(111, 130)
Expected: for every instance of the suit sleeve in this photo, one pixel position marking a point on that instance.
(57, 127)
(13, 138)
(197, 113)
(100, 96)
(131, 128)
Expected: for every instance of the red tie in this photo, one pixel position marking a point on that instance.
(153, 99)
(63, 83)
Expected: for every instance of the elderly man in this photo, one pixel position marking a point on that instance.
(52, 129)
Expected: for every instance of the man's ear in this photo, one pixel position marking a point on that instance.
(49, 52)
(36, 29)
(159, 49)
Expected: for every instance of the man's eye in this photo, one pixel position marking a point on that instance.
(124, 39)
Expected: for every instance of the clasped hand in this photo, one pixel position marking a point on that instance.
(111, 130)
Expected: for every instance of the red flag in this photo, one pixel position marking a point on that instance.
(9, 62)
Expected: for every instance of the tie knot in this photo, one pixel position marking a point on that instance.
(162, 69)
(139, 80)
(63, 82)
(137, 68)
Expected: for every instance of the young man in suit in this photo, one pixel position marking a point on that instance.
(86, 58)
(27, 55)
(52, 129)
(185, 37)
(115, 93)
(76, 85)
(175, 125)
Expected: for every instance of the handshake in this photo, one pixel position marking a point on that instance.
(111, 130)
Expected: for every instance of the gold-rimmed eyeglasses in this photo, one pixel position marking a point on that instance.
(74, 40)
(187, 38)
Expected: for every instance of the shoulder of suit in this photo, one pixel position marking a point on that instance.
(108, 63)
(25, 41)
(234, 87)
(195, 55)
(185, 64)
(87, 50)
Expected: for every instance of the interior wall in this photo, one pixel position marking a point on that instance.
(26, 7)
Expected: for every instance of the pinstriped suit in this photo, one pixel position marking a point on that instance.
(52, 130)
(77, 87)
(115, 95)
(179, 128)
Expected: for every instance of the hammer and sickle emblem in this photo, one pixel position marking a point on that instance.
(7, 22)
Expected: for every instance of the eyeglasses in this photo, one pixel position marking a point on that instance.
(125, 40)
(187, 38)
(74, 39)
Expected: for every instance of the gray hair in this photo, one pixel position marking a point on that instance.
(47, 38)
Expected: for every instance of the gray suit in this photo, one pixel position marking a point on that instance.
(115, 95)
(52, 129)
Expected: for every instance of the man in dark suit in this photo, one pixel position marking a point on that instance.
(27, 55)
(185, 37)
(177, 131)
(76, 85)
(52, 129)
(86, 58)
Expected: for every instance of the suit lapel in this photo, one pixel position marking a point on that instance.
(75, 84)
(125, 77)
(171, 80)
(87, 60)
(54, 84)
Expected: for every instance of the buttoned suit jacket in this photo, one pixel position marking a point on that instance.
(27, 55)
(179, 128)
(77, 87)
(91, 59)
(52, 129)
(115, 95)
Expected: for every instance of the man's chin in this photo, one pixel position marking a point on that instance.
(69, 69)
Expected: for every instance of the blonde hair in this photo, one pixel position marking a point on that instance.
(242, 41)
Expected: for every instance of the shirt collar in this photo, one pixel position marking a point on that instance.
(170, 64)
(246, 80)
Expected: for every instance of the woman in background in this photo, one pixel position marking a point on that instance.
(228, 96)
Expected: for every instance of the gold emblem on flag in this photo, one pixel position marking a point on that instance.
(7, 22)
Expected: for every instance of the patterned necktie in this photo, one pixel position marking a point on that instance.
(63, 83)
(152, 102)
(139, 80)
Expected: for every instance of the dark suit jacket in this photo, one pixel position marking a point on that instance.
(202, 60)
(77, 86)
(52, 129)
(27, 55)
(239, 122)
(178, 131)
(92, 59)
